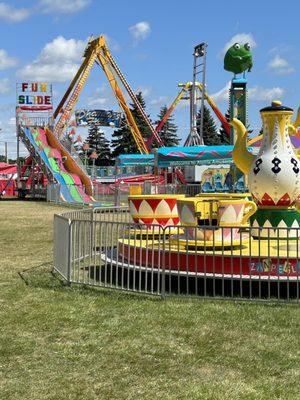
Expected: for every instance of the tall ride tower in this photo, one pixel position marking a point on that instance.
(238, 59)
(195, 137)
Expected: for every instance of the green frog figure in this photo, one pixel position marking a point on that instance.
(238, 58)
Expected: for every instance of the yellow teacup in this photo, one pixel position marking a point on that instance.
(228, 214)
(235, 212)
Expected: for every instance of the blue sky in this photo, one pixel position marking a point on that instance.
(152, 41)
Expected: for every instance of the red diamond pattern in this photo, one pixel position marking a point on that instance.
(171, 203)
(153, 203)
(136, 203)
(267, 200)
(285, 200)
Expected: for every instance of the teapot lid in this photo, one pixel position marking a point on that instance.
(276, 105)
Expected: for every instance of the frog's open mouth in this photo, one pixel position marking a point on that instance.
(242, 58)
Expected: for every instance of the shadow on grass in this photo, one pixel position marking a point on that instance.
(43, 277)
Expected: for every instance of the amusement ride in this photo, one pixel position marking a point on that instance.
(212, 228)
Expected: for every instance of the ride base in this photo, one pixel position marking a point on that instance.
(246, 258)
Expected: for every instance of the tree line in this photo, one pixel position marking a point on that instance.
(98, 150)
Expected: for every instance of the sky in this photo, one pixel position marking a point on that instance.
(152, 42)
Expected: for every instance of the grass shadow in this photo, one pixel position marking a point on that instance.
(43, 277)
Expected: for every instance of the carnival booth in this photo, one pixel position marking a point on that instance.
(8, 174)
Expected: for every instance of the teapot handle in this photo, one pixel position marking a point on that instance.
(253, 208)
(292, 130)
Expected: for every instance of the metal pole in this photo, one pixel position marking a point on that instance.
(195, 138)
(18, 149)
(193, 100)
(202, 94)
(5, 152)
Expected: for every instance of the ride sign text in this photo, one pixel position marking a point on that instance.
(34, 96)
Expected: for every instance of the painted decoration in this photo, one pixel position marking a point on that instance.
(98, 118)
(273, 175)
(154, 209)
(266, 221)
(194, 155)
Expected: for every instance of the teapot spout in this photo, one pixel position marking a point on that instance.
(241, 156)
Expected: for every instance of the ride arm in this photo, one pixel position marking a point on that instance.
(60, 106)
(138, 138)
(168, 112)
(114, 66)
(220, 116)
(72, 94)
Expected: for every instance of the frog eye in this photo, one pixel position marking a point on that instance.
(236, 46)
(247, 46)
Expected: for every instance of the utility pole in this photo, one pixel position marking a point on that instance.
(5, 152)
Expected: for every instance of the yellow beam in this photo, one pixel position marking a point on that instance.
(138, 138)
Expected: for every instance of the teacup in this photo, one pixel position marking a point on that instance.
(206, 215)
(157, 209)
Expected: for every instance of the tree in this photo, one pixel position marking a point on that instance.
(122, 139)
(224, 137)
(100, 145)
(168, 133)
(210, 133)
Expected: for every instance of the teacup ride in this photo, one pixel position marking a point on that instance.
(210, 234)
(211, 239)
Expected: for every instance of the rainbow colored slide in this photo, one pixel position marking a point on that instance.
(75, 185)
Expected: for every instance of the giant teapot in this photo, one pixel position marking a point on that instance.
(274, 173)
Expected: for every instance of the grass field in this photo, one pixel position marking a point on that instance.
(59, 342)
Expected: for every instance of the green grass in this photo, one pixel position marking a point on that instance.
(59, 342)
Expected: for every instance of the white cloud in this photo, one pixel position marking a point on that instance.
(144, 89)
(112, 43)
(258, 93)
(12, 121)
(223, 94)
(140, 31)
(63, 6)
(278, 62)
(62, 49)
(161, 100)
(12, 14)
(5, 85)
(57, 62)
(255, 93)
(280, 66)
(6, 61)
(240, 38)
(96, 102)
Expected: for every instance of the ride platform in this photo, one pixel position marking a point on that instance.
(246, 258)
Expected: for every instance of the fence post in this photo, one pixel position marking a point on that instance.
(69, 251)
(117, 195)
(92, 233)
(163, 266)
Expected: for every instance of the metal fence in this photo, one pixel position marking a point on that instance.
(104, 194)
(117, 194)
(104, 248)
